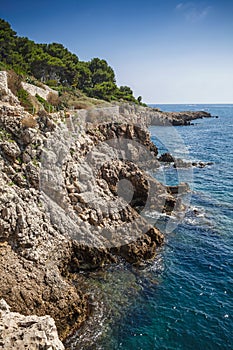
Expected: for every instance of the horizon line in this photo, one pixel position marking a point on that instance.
(191, 103)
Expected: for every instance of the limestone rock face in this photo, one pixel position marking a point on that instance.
(151, 116)
(10, 149)
(6, 96)
(35, 90)
(72, 197)
(32, 332)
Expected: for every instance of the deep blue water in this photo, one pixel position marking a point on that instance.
(186, 297)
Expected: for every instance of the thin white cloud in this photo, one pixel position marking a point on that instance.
(193, 12)
(179, 6)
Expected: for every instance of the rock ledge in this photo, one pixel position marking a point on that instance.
(27, 332)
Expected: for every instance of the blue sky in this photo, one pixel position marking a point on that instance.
(168, 51)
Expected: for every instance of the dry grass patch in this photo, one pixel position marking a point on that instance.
(29, 122)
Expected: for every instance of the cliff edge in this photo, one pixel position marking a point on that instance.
(73, 190)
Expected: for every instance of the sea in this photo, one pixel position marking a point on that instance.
(183, 300)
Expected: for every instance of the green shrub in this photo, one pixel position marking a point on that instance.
(52, 83)
(47, 106)
(24, 99)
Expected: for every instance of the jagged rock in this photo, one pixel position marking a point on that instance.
(36, 90)
(166, 158)
(72, 202)
(183, 187)
(6, 96)
(39, 289)
(201, 164)
(10, 149)
(180, 163)
(32, 175)
(19, 332)
(177, 118)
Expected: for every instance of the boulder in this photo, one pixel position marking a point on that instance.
(166, 158)
(32, 332)
(10, 149)
(183, 187)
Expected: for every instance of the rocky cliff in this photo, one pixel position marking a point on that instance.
(153, 116)
(31, 332)
(74, 187)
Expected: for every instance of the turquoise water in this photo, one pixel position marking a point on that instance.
(184, 299)
(186, 296)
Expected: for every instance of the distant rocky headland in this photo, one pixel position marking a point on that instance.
(67, 206)
(153, 116)
(180, 118)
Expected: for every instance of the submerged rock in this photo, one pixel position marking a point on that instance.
(180, 163)
(201, 164)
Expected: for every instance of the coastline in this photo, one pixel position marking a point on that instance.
(43, 251)
(116, 213)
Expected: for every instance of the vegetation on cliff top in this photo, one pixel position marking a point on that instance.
(57, 67)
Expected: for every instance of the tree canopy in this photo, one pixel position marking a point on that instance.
(56, 65)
